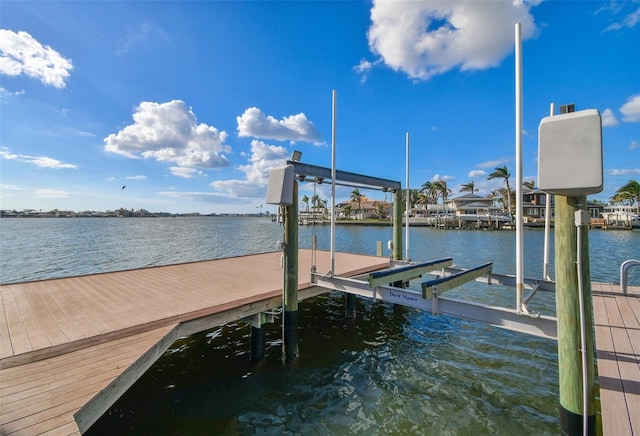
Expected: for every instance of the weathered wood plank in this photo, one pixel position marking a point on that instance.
(615, 417)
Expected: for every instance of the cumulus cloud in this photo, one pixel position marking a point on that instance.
(477, 173)
(426, 38)
(138, 177)
(20, 54)
(39, 161)
(609, 118)
(253, 122)
(631, 109)
(263, 158)
(169, 132)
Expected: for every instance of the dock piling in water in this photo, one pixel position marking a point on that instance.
(290, 290)
(570, 366)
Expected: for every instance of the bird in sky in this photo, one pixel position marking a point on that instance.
(124, 186)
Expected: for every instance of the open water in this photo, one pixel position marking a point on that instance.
(390, 370)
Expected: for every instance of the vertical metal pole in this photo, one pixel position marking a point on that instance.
(397, 225)
(334, 99)
(408, 204)
(519, 223)
(547, 223)
(290, 313)
(570, 377)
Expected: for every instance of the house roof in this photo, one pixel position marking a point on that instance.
(468, 197)
(475, 205)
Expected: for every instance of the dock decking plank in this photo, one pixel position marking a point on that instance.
(616, 327)
(615, 418)
(6, 349)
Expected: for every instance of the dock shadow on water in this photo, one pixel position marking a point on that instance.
(391, 370)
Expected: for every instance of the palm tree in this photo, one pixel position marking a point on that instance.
(429, 190)
(305, 201)
(324, 207)
(347, 210)
(442, 190)
(356, 197)
(503, 173)
(630, 191)
(470, 187)
(529, 184)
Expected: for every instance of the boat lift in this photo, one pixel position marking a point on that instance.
(379, 285)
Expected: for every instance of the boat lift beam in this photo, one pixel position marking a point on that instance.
(322, 174)
(407, 272)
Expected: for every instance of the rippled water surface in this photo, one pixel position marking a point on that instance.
(389, 370)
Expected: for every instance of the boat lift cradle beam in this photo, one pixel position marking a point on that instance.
(537, 325)
(405, 272)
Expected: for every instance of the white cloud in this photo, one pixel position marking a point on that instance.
(364, 67)
(633, 145)
(169, 132)
(184, 172)
(625, 172)
(631, 109)
(426, 38)
(50, 193)
(9, 187)
(609, 119)
(493, 163)
(206, 197)
(629, 17)
(20, 53)
(263, 158)
(253, 122)
(477, 173)
(39, 161)
(138, 177)
(444, 178)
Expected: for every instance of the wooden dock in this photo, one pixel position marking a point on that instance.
(70, 347)
(617, 326)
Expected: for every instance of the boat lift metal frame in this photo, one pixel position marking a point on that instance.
(430, 298)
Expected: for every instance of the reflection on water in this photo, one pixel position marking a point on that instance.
(391, 370)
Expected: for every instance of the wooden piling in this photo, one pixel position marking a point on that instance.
(290, 297)
(257, 343)
(569, 319)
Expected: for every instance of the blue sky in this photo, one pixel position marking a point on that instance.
(188, 104)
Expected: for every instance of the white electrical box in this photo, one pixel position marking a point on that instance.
(570, 153)
(280, 188)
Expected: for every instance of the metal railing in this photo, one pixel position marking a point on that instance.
(624, 273)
